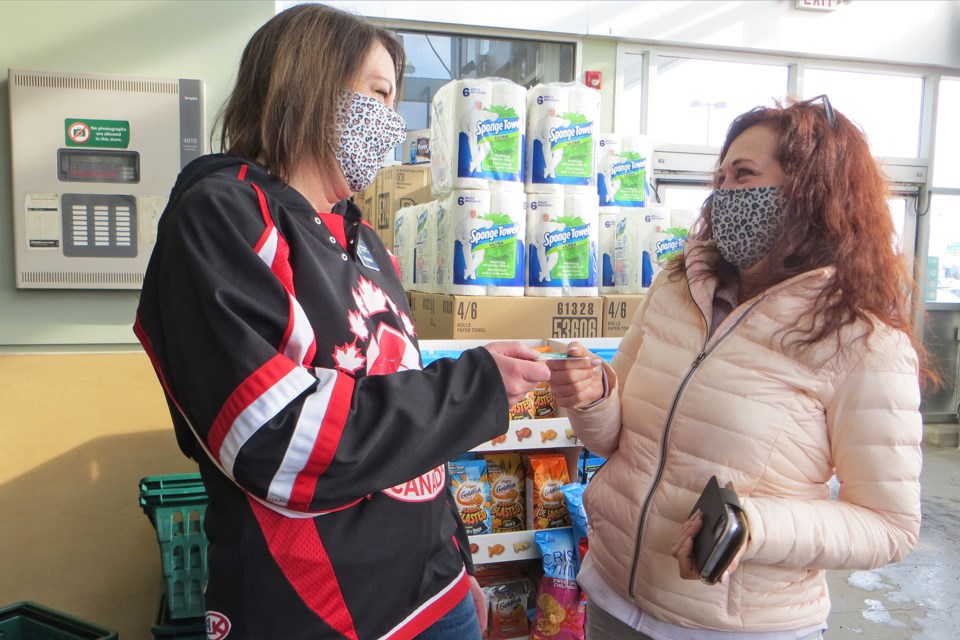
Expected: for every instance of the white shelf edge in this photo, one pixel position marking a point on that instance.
(539, 436)
(525, 549)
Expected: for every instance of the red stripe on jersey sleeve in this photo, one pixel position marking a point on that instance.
(326, 444)
(242, 174)
(148, 348)
(256, 384)
(296, 547)
(267, 218)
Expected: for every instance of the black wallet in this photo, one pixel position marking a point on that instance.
(723, 532)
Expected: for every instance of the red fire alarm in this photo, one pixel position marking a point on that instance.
(593, 79)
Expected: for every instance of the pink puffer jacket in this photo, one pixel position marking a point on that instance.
(777, 423)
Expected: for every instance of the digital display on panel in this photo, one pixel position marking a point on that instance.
(76, 165)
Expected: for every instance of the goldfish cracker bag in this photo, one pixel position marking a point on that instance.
(546, 507)
(559, 614)
(544, 404)
(507, 598)
(506, 478)
(471, 494)
(522, 409)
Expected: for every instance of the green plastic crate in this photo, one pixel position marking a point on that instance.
(176, 506)
(187, 629)
(32, 621)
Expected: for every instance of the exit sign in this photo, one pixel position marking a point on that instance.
(818, 5)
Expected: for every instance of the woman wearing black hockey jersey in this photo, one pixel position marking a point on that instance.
(282, 338)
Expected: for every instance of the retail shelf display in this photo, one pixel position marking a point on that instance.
(504, 547)
(544, 433)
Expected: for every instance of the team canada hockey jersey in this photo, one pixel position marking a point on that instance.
(285, 346)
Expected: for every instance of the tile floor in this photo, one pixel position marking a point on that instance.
(919, 598)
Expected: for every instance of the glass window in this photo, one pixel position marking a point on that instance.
(946, 151)
(899, 212)
(630, 99)
(887, 107)
(695, 100)
(434, 59)
(943, 261)
(683, 197)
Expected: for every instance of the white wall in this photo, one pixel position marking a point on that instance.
(911, 32)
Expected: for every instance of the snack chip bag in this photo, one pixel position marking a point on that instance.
(559, 614)
(506, 478)
(546, 507)
(471, 494)
(590, 465)
(573, 493)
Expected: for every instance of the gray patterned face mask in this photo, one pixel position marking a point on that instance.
(746, 223)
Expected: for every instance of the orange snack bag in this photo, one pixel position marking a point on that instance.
(546, 506)
(544, 404)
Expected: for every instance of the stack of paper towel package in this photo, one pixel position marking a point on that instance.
(470, 240)
(530, 199)
(636, 237)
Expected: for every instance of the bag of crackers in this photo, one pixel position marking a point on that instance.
(546, 506)
(560, 612)
(508, 598)
(506, 477)
(471, 494)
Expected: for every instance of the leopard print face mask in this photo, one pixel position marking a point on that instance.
(746, 223)
(367, 130)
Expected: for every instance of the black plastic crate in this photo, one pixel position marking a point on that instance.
(185, 629)
(32, 621)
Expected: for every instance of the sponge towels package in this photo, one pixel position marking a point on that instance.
(561, 120)
(562, 237)
(477, 135)
(404, 243)
(485, 236)
(425, 247)
(623, 163)
(607, 241)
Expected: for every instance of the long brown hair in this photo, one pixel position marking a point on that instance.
(837, 214)
(283, 107)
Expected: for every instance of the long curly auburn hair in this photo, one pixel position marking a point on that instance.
(837, 214)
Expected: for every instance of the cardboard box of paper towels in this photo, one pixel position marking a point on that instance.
(396, 186)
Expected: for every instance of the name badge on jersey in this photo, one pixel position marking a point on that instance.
(366, 257)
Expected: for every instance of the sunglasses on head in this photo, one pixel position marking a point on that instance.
(827, 109)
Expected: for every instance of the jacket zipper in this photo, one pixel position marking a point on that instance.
(666, 431)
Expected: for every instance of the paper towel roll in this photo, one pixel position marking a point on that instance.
(654, 240)
(607, 242)
(404, 243)
(623, 163)
(425, 251)
(562, 232)
(487, 242)
(561, 121)
(442, 152)
(479, 126)
(681, 220)
(443, 278)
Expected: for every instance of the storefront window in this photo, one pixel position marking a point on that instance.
(696, 100)
(946, 168)
(434, 59)
(943, 253)
(887, 107)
